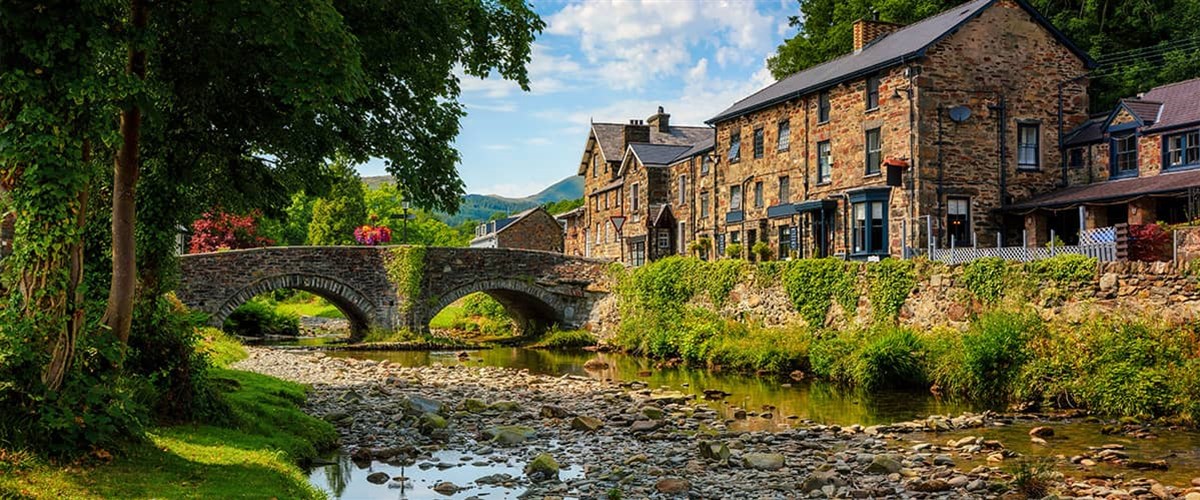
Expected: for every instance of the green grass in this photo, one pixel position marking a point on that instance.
(222, 349)
(318, 309)
(447, 318)
(254, 455)
(565, 339)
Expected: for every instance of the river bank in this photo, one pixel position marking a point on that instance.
(628, 439)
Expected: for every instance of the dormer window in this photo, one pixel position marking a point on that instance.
(1125, 156)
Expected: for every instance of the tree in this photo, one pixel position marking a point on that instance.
(385, 208)
(563, 206)
(335, 217)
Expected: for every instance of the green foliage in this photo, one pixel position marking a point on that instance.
(563, 206)
(813, 284)
(336, 216)
(753, 348)
(385, 208)
(831, 355)
(162, 350)
(890, 281)
(717, 278)
(733, 250)
(891, 357)
(1065, 270)
(565, 339)
(258, 317)
(1127, 370)
(1032, 477)
(994, 352)
(483, 305)
(405, 268)
(761, 251)
(986, 278)
(221, 349)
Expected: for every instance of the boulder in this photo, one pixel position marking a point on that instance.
(446, 488)
(595, 364)
(763, 461)
(718, 452)
(542, 468)
(943, 460)
(672, 486)
(586, 424)
(418, 405)
(508, 435)
(551, 411)
(820, 479)
(471, 405)
(378, 478)
(883, 464)
(431, 422)
(505, 406)
(652, 413)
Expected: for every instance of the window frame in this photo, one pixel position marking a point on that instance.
(825, 169)
(705, 165)
(682, 186)
(869, 201)
(634, 198)
(876, 154)
(785, 189)
(783, 137)
(966, 219)
(704, 204)
(758, 194)
(735, 198)
(735, 147)
(1022, 146)
(871, 100)
(760, 140)
(824, 107)
(1116, 156)
(1189, 142)
(1072, 162)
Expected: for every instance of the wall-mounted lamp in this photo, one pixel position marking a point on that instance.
(896, 93)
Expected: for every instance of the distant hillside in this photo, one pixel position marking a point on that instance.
(482, 206)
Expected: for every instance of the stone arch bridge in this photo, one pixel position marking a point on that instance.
(399, 287)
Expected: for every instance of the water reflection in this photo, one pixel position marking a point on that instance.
(778, 397)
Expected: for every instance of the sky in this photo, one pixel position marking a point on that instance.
(611, 61)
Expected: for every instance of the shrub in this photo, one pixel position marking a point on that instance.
(1127, 369)
(985, 278)
(776, 350)
(716, 278)
(733, 251)
(813, 284)
(225, 231)
(565, 339)
(762, 251)
(258, 318)
(1032, 478)
(483, 305)
(994, 352)
(830, 355)
(892, 357)
(1064, 269)
(1149, 242)
(891, 281)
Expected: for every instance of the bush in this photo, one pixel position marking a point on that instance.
(985, 278)
(1063, 269)
(891, 281)
(734, 251)
(994, 352)
(762, 251)
(258, 318)
(830, 356)
(1127, 369)
(892, 357)
(813, 284)
(483, 305)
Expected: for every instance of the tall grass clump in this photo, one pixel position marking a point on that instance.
(890, 357)
(1128, 368)
(994, 351)
(259, 317)
(755, 348)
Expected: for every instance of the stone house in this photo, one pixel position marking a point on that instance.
(573, 226)
(660, 180)
(923, 134)
(1136, 164)
(533, 229)
(630, 194)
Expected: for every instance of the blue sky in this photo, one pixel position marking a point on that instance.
(611, 61)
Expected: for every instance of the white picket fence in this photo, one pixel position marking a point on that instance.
(1100, 243)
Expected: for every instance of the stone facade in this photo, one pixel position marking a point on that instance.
(533, 229)
(1002, 66)
(537, 288)
(574, 231)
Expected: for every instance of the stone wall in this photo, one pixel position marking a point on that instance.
(1152, 290)
(537, 231)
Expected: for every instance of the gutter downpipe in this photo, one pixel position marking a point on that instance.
(807, 172)
(940, 169)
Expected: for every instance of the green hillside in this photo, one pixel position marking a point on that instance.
(482, 206)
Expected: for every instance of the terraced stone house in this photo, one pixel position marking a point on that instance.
(632, 210)
(1137, 164)
(926, 133)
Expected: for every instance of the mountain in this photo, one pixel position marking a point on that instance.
(480, 207)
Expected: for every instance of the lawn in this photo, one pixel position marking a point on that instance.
(317, 308)
(253, 456)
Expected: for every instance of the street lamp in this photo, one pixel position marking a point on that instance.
(404, 206)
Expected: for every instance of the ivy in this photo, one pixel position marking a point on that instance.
(1065, 270)
(717, 278)
(813, 285)
(986, 278)
(891, 281)
(405, 268)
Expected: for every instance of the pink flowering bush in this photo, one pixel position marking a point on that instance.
(373, 235)
(225, 231)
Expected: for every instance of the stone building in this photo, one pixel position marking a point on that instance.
(1136, 164)
(924, 133)
(533, 229)
(626, 200)
(573, 226)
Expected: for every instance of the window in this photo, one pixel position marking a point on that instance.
(735, 237)
(823, 107)
(682, 245)
(958, 222)
(619, 194)
(785, 242)
(704, 204)
(1028, 146)
(758, 194)
(824, 163)
(785, 191)
(682, 189)
(1183, 149)
(784, 139)
(597, 233)
(735, 198)
(607, 233)
(869, 226)
(758, 142)
(596, 203)
(1125, 156)
(637, 253)
(607, 196)
(874, 151)
(735, 147)
(664, 239)
(1076, 158)
(595, 167)
(633, 197)
(704, 164)
(872, 92)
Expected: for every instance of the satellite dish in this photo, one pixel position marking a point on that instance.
(960, 114)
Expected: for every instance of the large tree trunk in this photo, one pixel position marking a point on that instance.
(64, 345)
(119, 314)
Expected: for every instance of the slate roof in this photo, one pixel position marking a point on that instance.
(1181, 104)
(658, 154)
(1092, 131)
(901, 45)
(1113, 190)
(1144, 110)
(499, 225)
(610, 136)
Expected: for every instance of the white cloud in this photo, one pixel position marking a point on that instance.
(537, 141)
(548, 73)
(634, 43)
(497, 106)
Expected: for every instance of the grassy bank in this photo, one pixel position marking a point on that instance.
(254, 453)
(1111, 364)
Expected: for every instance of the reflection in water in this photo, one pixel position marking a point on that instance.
(779, 397)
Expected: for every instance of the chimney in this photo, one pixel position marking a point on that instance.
(660, 120)
(869, 30)
(637, 131)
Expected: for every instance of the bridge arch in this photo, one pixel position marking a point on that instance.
(352, 303)
(530, 306)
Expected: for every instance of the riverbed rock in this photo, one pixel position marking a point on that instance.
(378, 477)
(764, 461)
(820, 479)
(645, 425)
(672, 485)
(1041, 431)
(943, 460)
(595, 364)
(883, 464)
(472, 405)
(652, 413)
(586, 423)
(542, 468)
(505, 406)
(551, 411)
(446, 488)
(508, 435)
(717, 452)
(431, 422)
(419, 404)
(929, 486)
